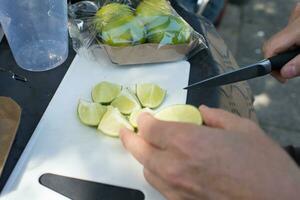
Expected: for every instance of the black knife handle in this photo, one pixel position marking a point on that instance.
(280, 60)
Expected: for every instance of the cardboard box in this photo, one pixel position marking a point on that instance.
(149, 53)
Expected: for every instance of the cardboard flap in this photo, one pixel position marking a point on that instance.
(10, 113)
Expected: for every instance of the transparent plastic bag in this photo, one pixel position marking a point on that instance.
(132, 31)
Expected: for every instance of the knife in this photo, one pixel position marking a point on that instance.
(261, 68)
(77, 189)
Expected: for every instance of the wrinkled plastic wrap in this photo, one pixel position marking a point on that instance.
(132, 31)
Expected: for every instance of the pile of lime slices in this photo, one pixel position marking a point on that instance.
(114, 107)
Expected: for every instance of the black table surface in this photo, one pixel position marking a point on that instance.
(35, 94)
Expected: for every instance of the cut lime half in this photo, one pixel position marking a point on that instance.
(180, 113)
(105, 92)
(126, 102)
(135, 114)
(90, 113)
(112, 122)
(150, 95)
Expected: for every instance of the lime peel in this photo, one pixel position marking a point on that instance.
(105, 92)
(150, 95)
(112, 122)
(90, 113)
(180, 113)
(126, 102)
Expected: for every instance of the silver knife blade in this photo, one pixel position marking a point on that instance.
(252, 71)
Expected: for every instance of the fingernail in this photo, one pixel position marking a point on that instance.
(142, 116)
(289, 71)
(203, 106)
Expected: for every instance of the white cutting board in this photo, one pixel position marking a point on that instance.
(62, 145)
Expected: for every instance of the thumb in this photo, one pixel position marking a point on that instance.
(222, 119)
(295, 14)
(291, 69)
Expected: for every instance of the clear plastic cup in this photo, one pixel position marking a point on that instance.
(37, 32)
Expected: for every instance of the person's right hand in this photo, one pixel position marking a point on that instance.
(227, 158)
(286, 39)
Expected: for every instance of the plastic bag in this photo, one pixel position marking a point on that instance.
(133, 31)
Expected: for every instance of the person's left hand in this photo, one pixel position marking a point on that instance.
(229, 158)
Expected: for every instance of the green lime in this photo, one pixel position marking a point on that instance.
(126, 102)
(135, 114)
(105, 92)
(90, 113)
(112, 122)
(169, 30)
(150, 95)
(180, 113)
(148, 10)
(109, 13)
(124, 31)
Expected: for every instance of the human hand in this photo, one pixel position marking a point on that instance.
(228, 158)
(286, 39)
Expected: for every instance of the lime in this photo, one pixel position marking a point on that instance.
(180, 113)
(148, 10)
(124, 31)
(135, 114)
(110, 13)
(112, 122)
(126, 102)
(150, 95)
(169, 30)
(105, 92)
(90, 113)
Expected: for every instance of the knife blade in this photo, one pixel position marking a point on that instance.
(77, 189)
(261, 68)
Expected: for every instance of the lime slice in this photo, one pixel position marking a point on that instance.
(126, 102)
(150, 95)
(135, 114)
(105, 92)
(112, 122)
(90, 113)
(180, 113)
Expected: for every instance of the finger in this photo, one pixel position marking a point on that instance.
(146, 154)
(218, 118)
(295, 14)
(277, 75)
(154, 131)
(291, 69)
(282, 41)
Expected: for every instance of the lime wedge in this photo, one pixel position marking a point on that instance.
(150, 95)
(105, 92)
(90, 113)
(135, 114)
(180, 113)
(126, 102)
(112, 122)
